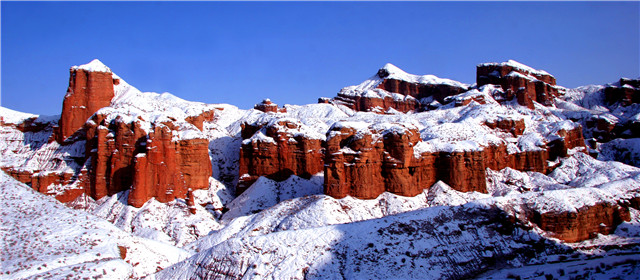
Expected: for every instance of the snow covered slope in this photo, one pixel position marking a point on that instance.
(320, 237)
(289, 229)
(43, 239)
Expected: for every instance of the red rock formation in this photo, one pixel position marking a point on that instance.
(438, 91)
(41, 181)
(583, 224)
(87, 93)
(358, 166)
(492, 73)
(515, 127)
(199, 120)
(522, 84)
(626, 94)
(20, 175)
(413, 92)
(112, 146)
(268, 106)
(167, 168)
(123, 156)
(378, 105)
(278, 154)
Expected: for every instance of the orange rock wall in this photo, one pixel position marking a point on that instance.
(418, 91)
(524, 90)
(87, 93)
(167, 168)
(289, 155)
(583, 224)
(362, 168)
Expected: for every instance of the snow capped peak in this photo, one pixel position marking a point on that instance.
(93, 66)
(518, 66)
(392, 69)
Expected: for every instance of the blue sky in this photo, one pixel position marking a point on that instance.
(294, 52)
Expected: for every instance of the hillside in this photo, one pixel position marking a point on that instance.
(402, 176)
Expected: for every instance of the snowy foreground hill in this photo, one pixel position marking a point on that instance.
(400, 177)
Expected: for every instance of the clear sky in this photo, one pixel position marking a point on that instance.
(294, 52)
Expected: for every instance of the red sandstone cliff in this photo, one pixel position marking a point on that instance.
(518, 81)
(627, 93)
(120, 154)
(153, 165)
(392, 88)
(90, 88)
(167, 169)
(583, 223)
(366, 164)
(272, 150)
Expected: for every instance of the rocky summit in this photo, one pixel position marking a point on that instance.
(402, 176)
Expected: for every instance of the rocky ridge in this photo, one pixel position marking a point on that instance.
(471, 178)
(157, 146)
(363, 160)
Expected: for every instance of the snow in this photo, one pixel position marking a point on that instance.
(14, 117)
(49, 240)
(93, 66)
(624, 150)
(289, 229)
(518, 66)
(168, 223)
(399, 74)
(368, 88)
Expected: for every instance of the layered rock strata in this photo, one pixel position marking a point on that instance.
(519, 82)
(584, 223)
(88, 92)
(277, 150)
(364, 163)
(393, 89)
(627, 93)
(268, 106)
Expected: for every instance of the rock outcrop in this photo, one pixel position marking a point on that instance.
(627, 93)
(90, 88)
(167, 169)
(519, 82)
(111, 148)
(41, 181)
(364, 163)
(268, 106)
(585, 223)
(394, 89)
(123, 155)
(120, 153)
(277, 150)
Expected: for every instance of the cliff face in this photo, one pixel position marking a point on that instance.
(393, 89)
(584, 223)
(167, 169)
(418, 91)
(274, 151)
(519, 82)
(366, 163)
(114, 152)
(88, 92)
(123, 155)
(627, 93)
